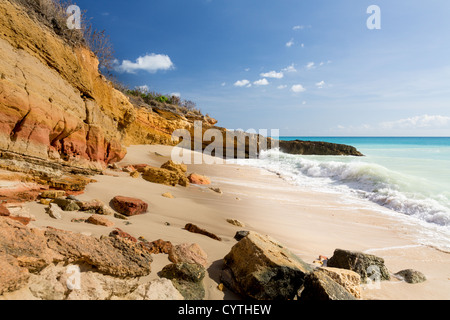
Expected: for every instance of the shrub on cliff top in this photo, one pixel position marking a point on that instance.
(52, 13)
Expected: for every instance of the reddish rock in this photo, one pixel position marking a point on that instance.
(122, 234)
(113, 256)
(100, 221)
(157, 246)
(21, 192)
(129, 206)
(4, 212)
(23, 220)
(194, 229)
(198, 179)
(189, 253)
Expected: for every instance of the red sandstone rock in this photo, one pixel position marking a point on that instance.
(194, 229)
(129, 206)
(198, 179)
(122, 234)
(157, 246)
(23, 220)
(4, 212)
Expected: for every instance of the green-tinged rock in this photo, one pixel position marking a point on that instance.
(67, 204)
(366, 265)
(187, 279)
(411, 276)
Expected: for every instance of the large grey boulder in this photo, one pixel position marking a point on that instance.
(366, 265)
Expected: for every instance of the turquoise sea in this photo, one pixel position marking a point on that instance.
(406, 176)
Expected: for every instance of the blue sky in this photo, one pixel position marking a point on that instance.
(307, 68)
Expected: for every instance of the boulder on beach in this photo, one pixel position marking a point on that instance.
(96, 206)
(54, 211)
(319, 286)
(172, 166)
(187, 278)
(258, 267)
(241, 234)
(366, 265)
(349, 280)
(189, 253)
(67, 204)
(157, 246)
(129, 206)
(411, 276)
(164, 176)
(113, 256)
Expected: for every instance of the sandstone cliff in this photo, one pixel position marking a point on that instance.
(56, 108)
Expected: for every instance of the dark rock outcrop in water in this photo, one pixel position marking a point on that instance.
(318, 148)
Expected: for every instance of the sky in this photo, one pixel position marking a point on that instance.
(304, 67)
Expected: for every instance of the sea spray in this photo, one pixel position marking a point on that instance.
(404, 194)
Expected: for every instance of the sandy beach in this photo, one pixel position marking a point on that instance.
(308, 223)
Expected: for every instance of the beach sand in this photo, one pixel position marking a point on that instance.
(308, 223)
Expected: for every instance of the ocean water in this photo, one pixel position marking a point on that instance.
(408, 178)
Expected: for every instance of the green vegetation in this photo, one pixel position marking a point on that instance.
(167, 102)
(52, 13)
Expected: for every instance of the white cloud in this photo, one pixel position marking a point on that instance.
(298, 88)
(283, 86)
(272, 74)
(290, 43)
(304, 102)
(223, 84)
(424, 121)
(310, 65)
(290, 68)
(175, 94)
(261, 82)
(150, 63)
(247, 69)
(242, 83)
(143, 88)
(303, 45)
(320, 84)
(298, 28)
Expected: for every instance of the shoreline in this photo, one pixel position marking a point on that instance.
(307, 222)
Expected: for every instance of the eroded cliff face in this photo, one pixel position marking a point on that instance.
(56, 107)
